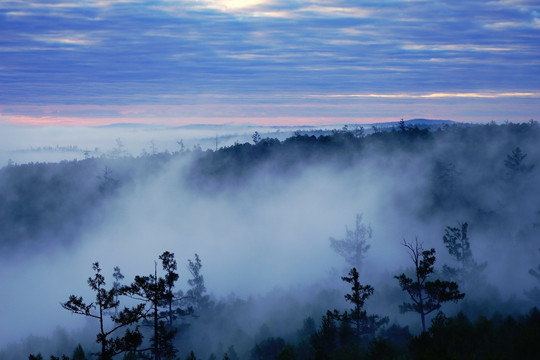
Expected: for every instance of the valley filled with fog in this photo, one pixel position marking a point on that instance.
(259, 208)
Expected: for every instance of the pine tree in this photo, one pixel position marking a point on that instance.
(196, 295)
(325, 340)
(514, 163)
(171, 276)
(458, 244)
(355, 244)
(363, 324)
(78, 353)
(163, 304)
(426, 295)
(534, 293)
(105, 302)
(256, 137)
(152, 291)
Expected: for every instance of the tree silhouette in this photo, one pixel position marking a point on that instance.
(105, 302)
(163, 305)
(426, 295)
(117, 275)
(169, 265)
(108, 184)
(325, 340)
(355, 244)
(156, 293)
(362, 323)
(444, 185)
(268, 349)
(514, 163)
(534, 293)
(256, 137)
(196, 294)
(458, 244)
(78, 353)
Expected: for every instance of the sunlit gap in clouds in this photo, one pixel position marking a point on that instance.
(232, 6)
(278, 9)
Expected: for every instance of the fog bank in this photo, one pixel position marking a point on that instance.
(269, 229)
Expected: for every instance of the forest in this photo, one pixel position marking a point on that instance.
(407, 242)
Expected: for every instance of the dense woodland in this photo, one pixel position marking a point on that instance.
(476, 184)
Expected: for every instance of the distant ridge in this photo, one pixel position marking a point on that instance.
(414, 122)
(126, 125)
(429, 122)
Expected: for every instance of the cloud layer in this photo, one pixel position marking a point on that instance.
(262, 53)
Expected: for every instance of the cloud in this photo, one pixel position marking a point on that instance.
(455, 47)
(491, 95)
(481, 95)
(231, 5)
(67, 38)
(332, 11)
(151, 52)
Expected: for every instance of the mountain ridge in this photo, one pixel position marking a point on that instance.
(198, 126)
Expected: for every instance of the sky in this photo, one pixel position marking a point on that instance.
(267, 62)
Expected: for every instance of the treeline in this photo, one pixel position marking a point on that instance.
(57, 201)
(475, 170)
(482, 171)
(448, 337)
(164, 322)
(157, 323)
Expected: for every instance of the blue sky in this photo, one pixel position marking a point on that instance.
(267, 61)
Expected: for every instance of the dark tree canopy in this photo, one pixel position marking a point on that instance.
(426, 295)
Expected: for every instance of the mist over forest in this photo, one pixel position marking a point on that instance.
(269, 220)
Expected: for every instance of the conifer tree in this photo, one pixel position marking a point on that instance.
(325, 340)
(164, 305)
(105, 302)
(355, 244)
(426, 295)
(78, 353)
(534, 293)
(458, 244)
(514, 163)
(196, 295)
(152, 291)
(169, 265)
(363, 324)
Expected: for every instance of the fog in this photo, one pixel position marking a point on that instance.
(251, 240)
(270, 233)
(24, 144)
